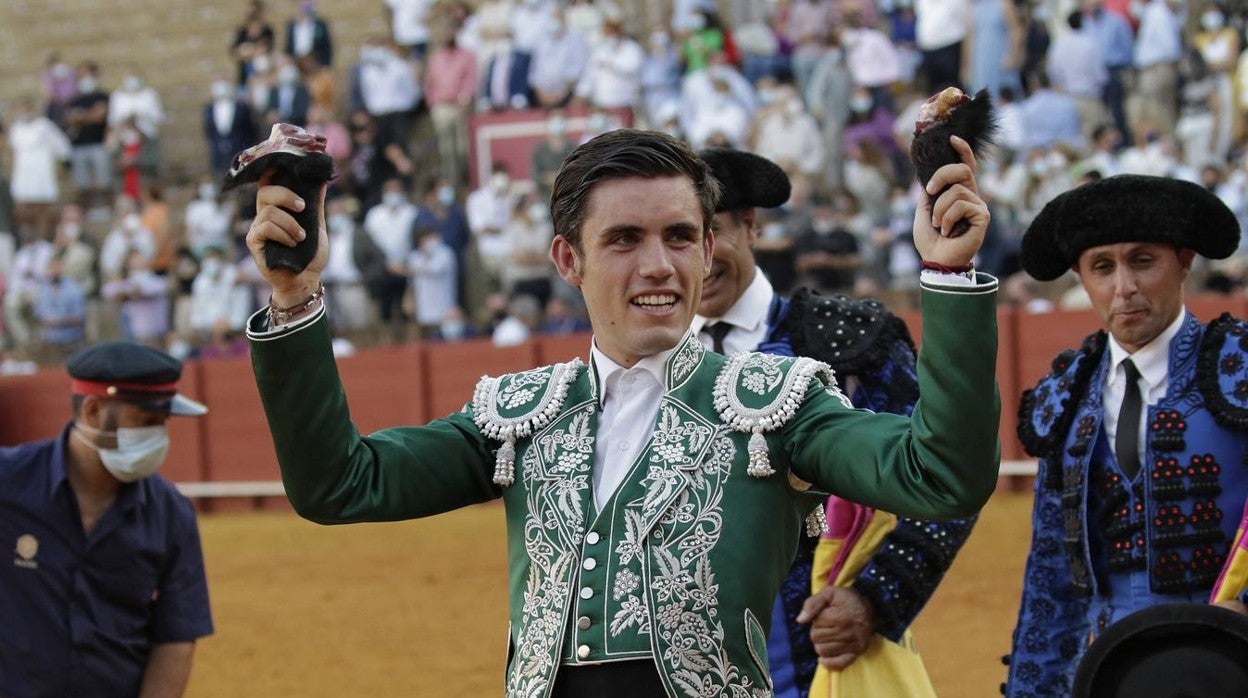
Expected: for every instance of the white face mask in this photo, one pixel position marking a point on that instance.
(132, 83)
(222, 90)
(446, 196)
(207, 192)
(393, 199)
(140, 450)
(500, 182)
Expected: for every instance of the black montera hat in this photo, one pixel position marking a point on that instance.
(1168, 651)
(132, 373)
(1127, 208)
(748, 180)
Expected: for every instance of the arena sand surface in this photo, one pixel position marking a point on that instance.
(418, 608)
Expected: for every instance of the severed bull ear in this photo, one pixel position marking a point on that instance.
(298, 162)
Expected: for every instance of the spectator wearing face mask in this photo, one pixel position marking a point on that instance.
(488, 209)
(454, 327)
(142, 299)
(719, 121)
(127, 235)
(38, 146)
(549, 154)
(450, 84)
(387, 88)
(356, 266)
(61, 312)
(612, 78)
(139, 102)
(826, 255)
(107, 591)
(227, 124)
(440, 210)
(252, 38)
(289, 99)
(1219, 47)
(529, 232)
(308, 33)
(207, 218)
(86, 124)
(390, 224)
(557, 64)
(213, 294)
(660, 76)
(789, 136)
(431, 267)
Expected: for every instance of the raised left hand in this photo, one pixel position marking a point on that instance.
(935, 218)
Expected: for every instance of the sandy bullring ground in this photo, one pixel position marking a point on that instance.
(418, 608)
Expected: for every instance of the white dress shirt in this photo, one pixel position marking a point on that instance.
(391, 228)
(629, 399)
(748, 317)
(1152, 361)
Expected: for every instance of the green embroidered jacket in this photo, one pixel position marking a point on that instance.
(682, 564)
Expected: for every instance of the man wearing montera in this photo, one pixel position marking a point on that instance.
(1141, 432)
(655, 495)
(870, 351)
(106, 593)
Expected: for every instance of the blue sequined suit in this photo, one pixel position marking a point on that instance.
(1104, 546)
(862, 339)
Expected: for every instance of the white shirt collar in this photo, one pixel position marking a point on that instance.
(1151, 360)
(750, 310)
(655, 365)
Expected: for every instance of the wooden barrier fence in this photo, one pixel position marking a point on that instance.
(227, 455)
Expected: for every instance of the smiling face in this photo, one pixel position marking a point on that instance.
(640, 265)
(1136, 288)
(732, 266)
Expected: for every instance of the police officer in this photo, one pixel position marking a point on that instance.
(106, 593)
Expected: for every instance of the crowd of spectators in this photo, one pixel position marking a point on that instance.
(829, 89)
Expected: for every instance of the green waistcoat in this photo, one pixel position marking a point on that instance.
(682, 564)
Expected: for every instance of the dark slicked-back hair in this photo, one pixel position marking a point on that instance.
(622, 154)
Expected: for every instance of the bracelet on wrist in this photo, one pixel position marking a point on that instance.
(944, 269)
(281, 316)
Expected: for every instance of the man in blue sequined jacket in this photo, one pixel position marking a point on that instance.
(1141, 433)
(872, 353)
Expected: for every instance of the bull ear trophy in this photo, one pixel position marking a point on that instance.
(298, 162)
(951, 112)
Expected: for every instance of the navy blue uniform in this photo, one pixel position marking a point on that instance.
(79, 614)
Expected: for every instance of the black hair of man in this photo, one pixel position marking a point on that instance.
(622, 154)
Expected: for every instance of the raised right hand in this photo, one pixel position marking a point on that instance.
(274, 225)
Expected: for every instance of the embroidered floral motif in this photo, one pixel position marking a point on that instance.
(684, 618)
(684, 360)
(761, 379)
(780, 385)
(556, 471)
(517, 405)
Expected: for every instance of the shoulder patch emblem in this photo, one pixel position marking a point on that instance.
(756, 393)
(516, 405)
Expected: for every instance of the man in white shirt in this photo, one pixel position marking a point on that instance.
(557, 64)
(1140, 432)
(409, 21)
(940, 26)
(613, 76)
(389, 224)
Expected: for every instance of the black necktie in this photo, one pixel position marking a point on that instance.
(1127, 440)
(718, 331)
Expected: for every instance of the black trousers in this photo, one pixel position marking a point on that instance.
(631, 679)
